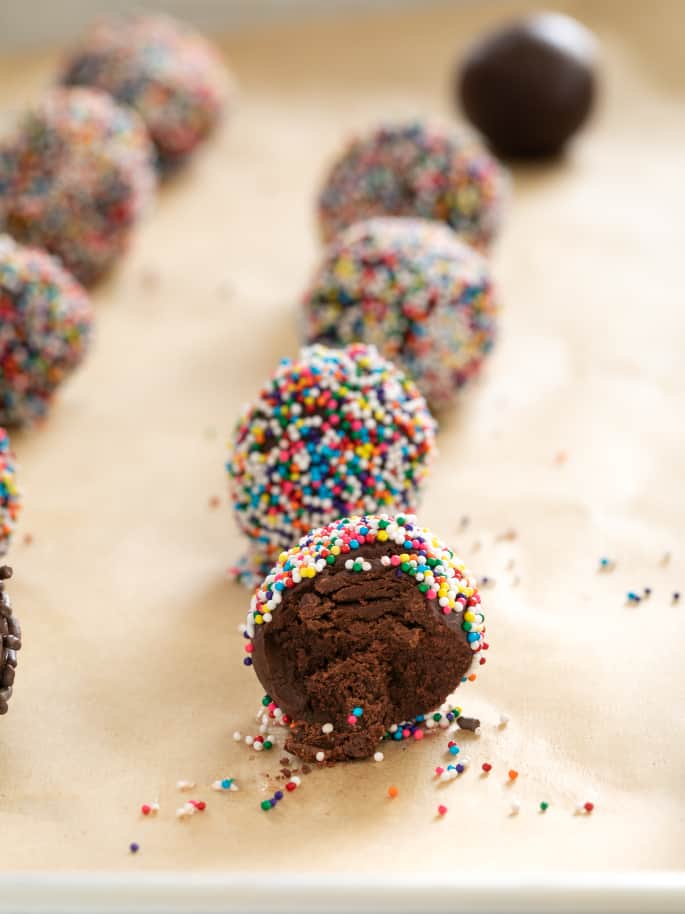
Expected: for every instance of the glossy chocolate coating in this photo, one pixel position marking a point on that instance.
(528, 87)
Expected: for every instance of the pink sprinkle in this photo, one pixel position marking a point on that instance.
(439, 770)
(446, 610)
(352, 720)
(431, 594)
(394, 560)
(442, 810)
(418, 734)
(249, 647)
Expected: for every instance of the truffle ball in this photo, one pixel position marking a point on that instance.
(365, 624)
(528, 87)
(10, 642)
(170, 74)
(9, 493)
(45, 328)
(332, 433)
(414, 290)
(75, 179)
(416, 169)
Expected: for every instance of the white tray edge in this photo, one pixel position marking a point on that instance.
(211, 893)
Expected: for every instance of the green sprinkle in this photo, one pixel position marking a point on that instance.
(544, 806)
(265, 804)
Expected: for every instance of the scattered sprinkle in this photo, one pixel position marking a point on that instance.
(442, 810)
(378, 756)
(515, 807)
(513, 774)
(544, 806)
(504, 719)
(487, 767)
(149, 809)
(392, 791)
(676, 597)
(320, 756)
(185, 785)
(134, 847)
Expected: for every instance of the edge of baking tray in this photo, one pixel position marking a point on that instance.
(211, 893)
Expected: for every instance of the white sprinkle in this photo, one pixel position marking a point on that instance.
(237, 736)
(378, 756)
(515, 807)
(249, 740)
(320, 756)
(296, 780)
(327, 728)
(185, 785)
(258, 745)
(504, 719)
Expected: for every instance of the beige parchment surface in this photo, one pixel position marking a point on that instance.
(131, 676)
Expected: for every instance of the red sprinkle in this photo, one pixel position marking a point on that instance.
(588, 807)
(145, 809)
(439, 771)
(487, 767)
(291, 785)
(200, 805)
(442, 810)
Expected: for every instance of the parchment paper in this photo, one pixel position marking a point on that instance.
(571, 448)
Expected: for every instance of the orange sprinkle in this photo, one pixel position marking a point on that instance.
(472, 677)
(513, 774)
(392, 791)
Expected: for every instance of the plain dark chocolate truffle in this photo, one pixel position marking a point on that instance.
(10, 642)
(530, 86)
(366, 624)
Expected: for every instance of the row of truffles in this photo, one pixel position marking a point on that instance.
(81, 168)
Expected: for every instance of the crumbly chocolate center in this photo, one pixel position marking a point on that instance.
(344, 640)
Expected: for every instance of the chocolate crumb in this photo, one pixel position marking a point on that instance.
(468, 723)
(306, 769)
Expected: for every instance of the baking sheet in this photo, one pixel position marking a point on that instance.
(569, 449)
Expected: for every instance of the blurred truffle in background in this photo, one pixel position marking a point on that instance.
(415, 169)
(75, 178)
(529, 86)
(411, 288)
(170, 74)
(45, 328)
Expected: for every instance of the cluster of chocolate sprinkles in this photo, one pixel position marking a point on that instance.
(10, 641)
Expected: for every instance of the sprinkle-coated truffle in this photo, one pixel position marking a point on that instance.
(10, 641)
(170, 74)
(372, 612)
(10, 502)
(75, 178)
(45, 328)
(415, 169)
(335, 431)
(414, 290)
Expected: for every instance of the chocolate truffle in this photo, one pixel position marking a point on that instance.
(75, 179)
(415, 169)
(528, 87)
(10, 642)
(45, 328)
(366, 623)
(9, 493)
(333, 432)
(170, 74)
(414, 290)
